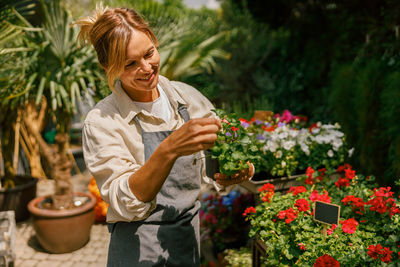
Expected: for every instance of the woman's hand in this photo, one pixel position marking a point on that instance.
(236, 178)
(193, 136)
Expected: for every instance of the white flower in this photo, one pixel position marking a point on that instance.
(330, 153)
(351, 151)
(289, 144)
(283, 163)
(283, 135)
(271, 146)
(315, 130)
(278, 154)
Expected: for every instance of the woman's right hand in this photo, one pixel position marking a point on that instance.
(193, 136)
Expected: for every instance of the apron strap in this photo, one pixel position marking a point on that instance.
(183, 112)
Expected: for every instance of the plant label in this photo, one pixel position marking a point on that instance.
(326, 213)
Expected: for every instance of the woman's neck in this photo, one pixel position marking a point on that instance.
(142, 95)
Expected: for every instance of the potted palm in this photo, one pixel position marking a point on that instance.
(57, 74)
(16, 189)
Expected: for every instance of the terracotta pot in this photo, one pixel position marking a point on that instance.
(18, 197)
(62, 231)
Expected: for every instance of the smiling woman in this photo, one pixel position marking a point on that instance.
(145, 163)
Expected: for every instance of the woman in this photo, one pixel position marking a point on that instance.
(141, 144)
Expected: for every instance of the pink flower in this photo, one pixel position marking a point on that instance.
(349, 226)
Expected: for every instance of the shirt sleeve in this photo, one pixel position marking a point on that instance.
(111, 164)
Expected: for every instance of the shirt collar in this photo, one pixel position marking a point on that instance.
(128, 109)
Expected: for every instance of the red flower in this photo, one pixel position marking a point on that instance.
(349, 226)
(268, 129)
(323, 197)
(249, 210)
(302, 205)
(326, 261)
(297, 190)
(343, 167)
(234, 128)
(379, 252)
(342, 182)
(290, 214)
(386, 255)
(357, 204)
(349, 173)
(267, 187)
(301, 246)
(330, 231)
(374, 251)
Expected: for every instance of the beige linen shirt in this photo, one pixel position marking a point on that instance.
(113, 148)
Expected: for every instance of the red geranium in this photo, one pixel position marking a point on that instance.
(309, 172)
(290, 214)
(349, 226)
(301, 246)
(323, 197)
(374, 251)
(297, 190)
(302, 204)
(342, 182)
(330, 231)
(326, 261)
(343, 167)
(357, 204)
(379, 252)
(249, 210)
(267, 187)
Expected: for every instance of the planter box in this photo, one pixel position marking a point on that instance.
(282, 184)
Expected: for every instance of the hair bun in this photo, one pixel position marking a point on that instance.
(86, 24)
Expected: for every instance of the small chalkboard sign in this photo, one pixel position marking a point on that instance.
(326, 213)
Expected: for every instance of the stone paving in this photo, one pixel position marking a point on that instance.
(30, 254)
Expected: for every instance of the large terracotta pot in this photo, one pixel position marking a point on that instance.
(18, 197)
(62, 231)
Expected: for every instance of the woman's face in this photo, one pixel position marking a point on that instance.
(142, 64)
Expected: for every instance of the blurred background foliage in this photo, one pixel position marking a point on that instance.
(330, 60)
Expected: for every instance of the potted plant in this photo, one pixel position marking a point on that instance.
(57, 74)
(367, 234)
(17, 187)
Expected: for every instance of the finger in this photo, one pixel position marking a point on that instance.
(206, 121)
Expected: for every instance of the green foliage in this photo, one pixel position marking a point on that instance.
(233, 147)
(363, 96)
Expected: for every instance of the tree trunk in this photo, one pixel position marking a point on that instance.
(58, 163)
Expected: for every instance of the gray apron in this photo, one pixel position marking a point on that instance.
(170, 235)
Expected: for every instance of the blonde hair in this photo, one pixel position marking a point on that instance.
(109, 30)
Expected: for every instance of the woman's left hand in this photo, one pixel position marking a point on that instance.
(236, 178)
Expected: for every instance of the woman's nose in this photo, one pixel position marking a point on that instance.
(145, 66)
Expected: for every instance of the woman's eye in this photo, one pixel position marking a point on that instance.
(131, 64)
(149, 54)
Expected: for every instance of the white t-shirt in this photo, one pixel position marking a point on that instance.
(160, 108)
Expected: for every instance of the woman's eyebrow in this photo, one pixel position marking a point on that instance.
(136, 56)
